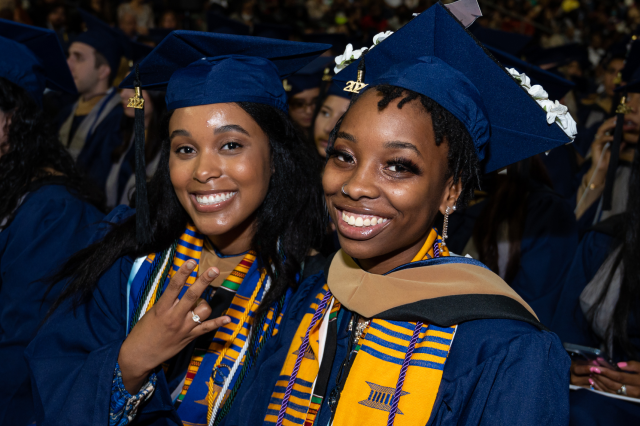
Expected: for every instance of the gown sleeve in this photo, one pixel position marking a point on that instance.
(73, 357)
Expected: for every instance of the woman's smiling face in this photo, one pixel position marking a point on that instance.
(220, 169)
(385, 181)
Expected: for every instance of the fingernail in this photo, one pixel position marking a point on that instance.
(226, 321)
(211, 273)
(595, 370)
(191, 264)
(622, 364)
(591, 382)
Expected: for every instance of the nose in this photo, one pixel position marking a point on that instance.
(361, 183)
(207, 167)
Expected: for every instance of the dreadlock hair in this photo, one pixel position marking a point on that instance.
(290, 221)
(34, 154)
(462, 157)
(627, 257)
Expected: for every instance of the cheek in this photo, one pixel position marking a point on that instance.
(332, 179)
(180, 174)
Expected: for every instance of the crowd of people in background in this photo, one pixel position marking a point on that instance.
(561, 227)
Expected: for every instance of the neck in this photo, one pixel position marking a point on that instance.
(236, 241)
(98, 90)
(382, 264)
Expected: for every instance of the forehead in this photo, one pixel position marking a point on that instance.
(82, 48)
(207, 117)
(411, 122)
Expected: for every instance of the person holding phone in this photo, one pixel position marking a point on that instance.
(600, 302)
(163, 316)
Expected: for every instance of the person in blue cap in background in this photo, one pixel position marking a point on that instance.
(231, 214)
(396, 330)
(599, 306)
(47, 209)
(89, 127)
(303, 91)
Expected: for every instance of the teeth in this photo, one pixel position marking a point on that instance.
(360, 221)
(213, 199)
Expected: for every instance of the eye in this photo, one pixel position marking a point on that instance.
(341, 156)
(185, 150)
(403, 166)
(231, 146)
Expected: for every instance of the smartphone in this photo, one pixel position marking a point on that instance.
(589, 355)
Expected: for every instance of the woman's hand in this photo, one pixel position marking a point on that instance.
(603, 136)
(608, 380)
(580, 372)
(167, 327)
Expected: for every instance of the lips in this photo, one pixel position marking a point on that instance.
(209, 202)
(358, 226)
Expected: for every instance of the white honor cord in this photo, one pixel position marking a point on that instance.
(236, 364)
(155, 284)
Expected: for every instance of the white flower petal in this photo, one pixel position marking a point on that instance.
(379, 38)
(537, 92)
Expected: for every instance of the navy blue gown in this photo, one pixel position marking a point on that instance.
(49, 226)
(569, 322)
(499, 371)
(549, 240)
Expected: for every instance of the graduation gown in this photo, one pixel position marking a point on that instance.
(49, 226)
(549, 240)
(499, 371)
(569, 322)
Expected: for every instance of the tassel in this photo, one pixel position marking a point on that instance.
(143, 223)
(607, 195)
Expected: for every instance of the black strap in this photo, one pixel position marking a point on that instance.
(328, 356)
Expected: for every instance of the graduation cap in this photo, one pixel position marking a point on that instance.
(279, 32)
(338, 41)
(309, 77)
(111, 43)
(34, 59)
(511, 43)
(158, 34)
(198, 68)
(435, 56)
(555, 85)
(217, 23)
(632, 62)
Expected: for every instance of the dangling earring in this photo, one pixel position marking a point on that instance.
(445, 226)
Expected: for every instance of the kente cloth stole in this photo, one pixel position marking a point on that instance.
(395, 373)
(246, 283)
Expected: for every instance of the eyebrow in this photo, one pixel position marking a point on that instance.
(347, 136)
(230, 128)
(401, 145)
(179, 132)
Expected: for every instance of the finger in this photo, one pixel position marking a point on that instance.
(203, 310)
(196, 289)
(580, 380)
(580, 370)
(596, 386)
(616, 376)
(175, 285)
(211, 325)
(606, 383)
(633, 366)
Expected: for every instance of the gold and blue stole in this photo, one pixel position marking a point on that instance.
(394, 376)
(225, 359)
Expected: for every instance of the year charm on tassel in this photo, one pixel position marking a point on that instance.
(623, 108)
(355, 86)
(137, 101)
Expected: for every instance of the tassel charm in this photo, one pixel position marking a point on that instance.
(137, 101)
(623, 108)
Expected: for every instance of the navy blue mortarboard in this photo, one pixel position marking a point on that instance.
(338, 41)
(309, 77)
(111, 43)
(510, 43)
(217, 23)
(435, 56)
(632, 62)
(200, 68)
(158, 34)
(205, 68)
(634, 85)
(558, 56)
(279, 32)
(33, 59)
(555, 85)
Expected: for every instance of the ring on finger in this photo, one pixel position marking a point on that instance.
(195, 317)
(622, 390)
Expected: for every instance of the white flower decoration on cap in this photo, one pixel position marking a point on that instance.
(556, 112)
(350, 56)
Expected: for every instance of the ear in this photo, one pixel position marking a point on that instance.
(104, 71)
(451, 194)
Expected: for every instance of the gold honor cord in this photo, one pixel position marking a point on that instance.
(355, 86)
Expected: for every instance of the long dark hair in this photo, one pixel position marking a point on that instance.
(629, 243)
(290, 221)
(34, 147)
(507, 203)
